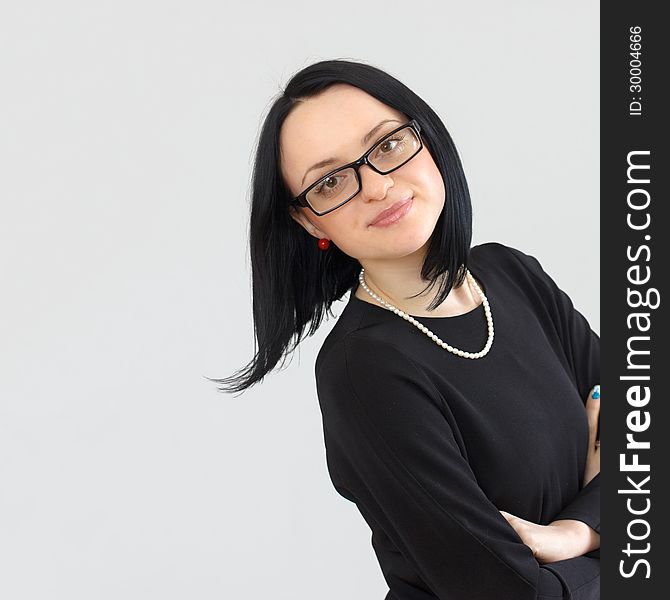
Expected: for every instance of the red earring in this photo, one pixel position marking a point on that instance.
(324, 243)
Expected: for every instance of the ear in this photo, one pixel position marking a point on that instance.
(299, 216)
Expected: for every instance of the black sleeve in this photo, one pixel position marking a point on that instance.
(581, 346)
(391, 450)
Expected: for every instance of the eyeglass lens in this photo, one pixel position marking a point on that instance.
(388, 154)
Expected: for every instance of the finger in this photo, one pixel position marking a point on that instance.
(509, 517)
(592, 413)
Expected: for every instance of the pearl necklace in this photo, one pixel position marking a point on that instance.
(428, 332)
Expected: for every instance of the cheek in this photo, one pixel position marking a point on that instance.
(343, 227)
(431, 181)
(341, 221)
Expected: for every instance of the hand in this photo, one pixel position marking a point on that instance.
(593, 453)
(559, 540)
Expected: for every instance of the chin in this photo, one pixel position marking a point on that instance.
(404, 243)
(409, 236)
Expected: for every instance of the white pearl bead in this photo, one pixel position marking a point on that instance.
(428, 332)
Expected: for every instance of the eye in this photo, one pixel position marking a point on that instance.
(328, 183)
(390, 145)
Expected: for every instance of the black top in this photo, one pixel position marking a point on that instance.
(430, 445)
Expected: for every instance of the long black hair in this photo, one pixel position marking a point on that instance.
(294, 282)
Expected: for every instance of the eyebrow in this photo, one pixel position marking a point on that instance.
(364, 141)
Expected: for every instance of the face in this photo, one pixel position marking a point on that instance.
(332, 125)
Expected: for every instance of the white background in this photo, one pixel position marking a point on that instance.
(127, 136)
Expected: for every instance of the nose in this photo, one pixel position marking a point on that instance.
(374, 186)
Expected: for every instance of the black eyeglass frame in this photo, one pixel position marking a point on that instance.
(301, 199)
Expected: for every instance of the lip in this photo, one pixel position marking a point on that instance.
(392, 214)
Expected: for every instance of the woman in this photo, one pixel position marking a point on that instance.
(469, 450)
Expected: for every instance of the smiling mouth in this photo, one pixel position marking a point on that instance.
(392, 214)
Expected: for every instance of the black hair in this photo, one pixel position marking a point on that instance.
(294, 282)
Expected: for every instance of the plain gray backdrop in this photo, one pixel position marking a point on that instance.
(128, 132)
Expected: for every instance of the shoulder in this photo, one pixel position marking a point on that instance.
(515, 264)
(361, 372)
(503, 254)
(361, 356)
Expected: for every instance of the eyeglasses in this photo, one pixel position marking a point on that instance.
(339, 186)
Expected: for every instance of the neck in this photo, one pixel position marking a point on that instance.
(397, 279)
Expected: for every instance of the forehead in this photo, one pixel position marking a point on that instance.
(331, 124)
